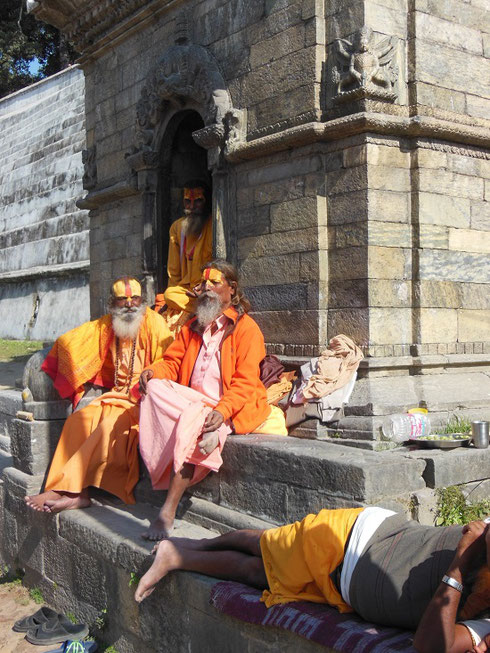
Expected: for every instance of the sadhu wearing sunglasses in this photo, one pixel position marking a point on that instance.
(206, 387)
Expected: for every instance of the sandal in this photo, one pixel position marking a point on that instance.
(34, 620)
(56, 630)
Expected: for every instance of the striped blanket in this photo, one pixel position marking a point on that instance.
(319, 623)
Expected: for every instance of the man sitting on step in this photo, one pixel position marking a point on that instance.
(372, 561)
(190, 247)
(99, 443)
(207, 386)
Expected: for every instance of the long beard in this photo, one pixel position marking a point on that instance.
(127, 321)
(194, 223)
(208, 309)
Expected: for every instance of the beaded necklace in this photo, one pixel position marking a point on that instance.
(126, 387)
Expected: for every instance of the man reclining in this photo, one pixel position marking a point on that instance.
(371, 561)
(99, 443)
(207, 386)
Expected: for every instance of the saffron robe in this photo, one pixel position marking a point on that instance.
(99, 443)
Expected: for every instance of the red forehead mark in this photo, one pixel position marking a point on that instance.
(128, 291)
(194, 193)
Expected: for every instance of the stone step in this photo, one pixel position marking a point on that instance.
(5, 444)
(87, 562)
(5, 460)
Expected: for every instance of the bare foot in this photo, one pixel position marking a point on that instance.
(167, 559)
(68, 501)
(37, 501)
(160, 528)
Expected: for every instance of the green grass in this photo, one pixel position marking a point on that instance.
(10, 578)
(454, 508)
(110, 649)
(457, 424)
(71, 617)
(134, 579)
(12, 349)
(36, 595)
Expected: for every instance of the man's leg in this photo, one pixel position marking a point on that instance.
(209, 559)
(162, 526)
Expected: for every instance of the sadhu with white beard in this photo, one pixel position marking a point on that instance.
(99, 443)
(207, 386)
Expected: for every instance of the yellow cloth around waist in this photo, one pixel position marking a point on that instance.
(275, 424)
(176, 298)
(299, 558)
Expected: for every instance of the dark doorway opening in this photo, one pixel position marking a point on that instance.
(181, 159)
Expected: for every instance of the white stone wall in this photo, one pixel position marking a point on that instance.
(44, 252)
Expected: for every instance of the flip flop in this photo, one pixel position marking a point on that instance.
(56, 630)
(34, 620)
(75, 646)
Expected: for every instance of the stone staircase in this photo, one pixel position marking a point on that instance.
(83, 561)
(43, 235)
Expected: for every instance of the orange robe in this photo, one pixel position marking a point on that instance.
(186, 256)
(99, 443)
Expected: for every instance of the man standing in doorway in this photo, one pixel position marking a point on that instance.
(190, 247)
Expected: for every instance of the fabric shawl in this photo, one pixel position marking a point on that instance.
(335, 367)
(79, 356)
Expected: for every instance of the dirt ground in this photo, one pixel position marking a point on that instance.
(15, 604)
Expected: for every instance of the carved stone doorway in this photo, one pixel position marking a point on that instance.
(181, 159)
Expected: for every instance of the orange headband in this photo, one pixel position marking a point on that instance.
(194, 194)
(126, 288)
(212, 274)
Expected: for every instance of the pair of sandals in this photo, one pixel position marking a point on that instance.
(46, 626)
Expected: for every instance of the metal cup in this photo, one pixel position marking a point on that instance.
(479, 431)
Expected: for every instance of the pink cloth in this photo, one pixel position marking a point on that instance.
(206, 377)
(171, 421)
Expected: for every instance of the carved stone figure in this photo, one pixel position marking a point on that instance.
(365, 67)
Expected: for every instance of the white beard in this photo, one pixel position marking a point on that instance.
(208, 309)
(126, 322)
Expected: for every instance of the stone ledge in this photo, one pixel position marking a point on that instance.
(453, 467)
(82, 562)
(44, 271)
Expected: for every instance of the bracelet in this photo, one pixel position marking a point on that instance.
(452, 582)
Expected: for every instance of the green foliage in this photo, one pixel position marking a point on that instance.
(71, 617)
(457, 424)
(9, 577)
(110, 649)
(11, 349)
(24, 41)
(134, 579)
(453, 507)
(100, 621)
(36, 595)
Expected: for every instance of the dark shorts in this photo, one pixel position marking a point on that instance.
(400, 570)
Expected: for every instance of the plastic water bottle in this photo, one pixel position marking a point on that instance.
(404, 426)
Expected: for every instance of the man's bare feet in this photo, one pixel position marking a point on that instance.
(160, 528)
(68, 501)
(52, 501)
(167, 559)
(36, 501)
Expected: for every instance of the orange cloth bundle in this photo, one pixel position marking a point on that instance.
(299, 558)
(479, 599)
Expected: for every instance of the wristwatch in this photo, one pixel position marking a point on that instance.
(452, 582)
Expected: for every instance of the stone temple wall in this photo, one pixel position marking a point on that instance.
(348, 144)
(44, 241)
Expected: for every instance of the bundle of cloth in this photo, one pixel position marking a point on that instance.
(326, 383)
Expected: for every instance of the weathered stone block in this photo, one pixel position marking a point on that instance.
(33, 444)
(448, 32)
(253, 221)
(435, 208)
(279, 191)
(389, 263)
(433, 236)
(457, 266)
(352, 321)
(469, 240)
(393, 157)
(475, 295)
(313, 266)
(348, 263)
(278, 46)
(288, 297)
(385, 20)
(301, 213)
(438, 325)
(282, 242)
(390, 326)
(440, 294)
(452, 184)
(453, 467)
(473, 325)
(388, 206)
(276, 326)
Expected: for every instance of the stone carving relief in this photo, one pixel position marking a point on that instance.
(186, 77)
(89, 160)
(365, 67)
